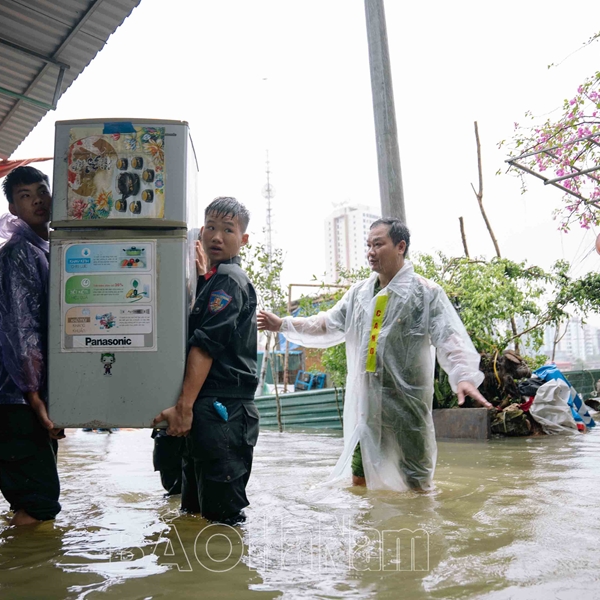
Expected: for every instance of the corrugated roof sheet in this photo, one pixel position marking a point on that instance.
(70, 32)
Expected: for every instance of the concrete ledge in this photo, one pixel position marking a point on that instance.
(322, 409)
(462, 423)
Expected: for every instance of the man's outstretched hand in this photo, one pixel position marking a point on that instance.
(466, 388)
(267, 321)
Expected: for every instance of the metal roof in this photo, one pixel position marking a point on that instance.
(44, 46)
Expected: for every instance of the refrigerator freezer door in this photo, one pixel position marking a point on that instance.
(118, 326)
(123, 173)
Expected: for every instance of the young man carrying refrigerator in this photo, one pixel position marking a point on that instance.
(28, 474)
(216, 409)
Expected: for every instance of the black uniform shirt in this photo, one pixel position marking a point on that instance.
(223, 324)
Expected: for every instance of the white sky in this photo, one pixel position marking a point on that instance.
(292, 77)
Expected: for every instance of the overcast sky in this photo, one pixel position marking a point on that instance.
(292, 77)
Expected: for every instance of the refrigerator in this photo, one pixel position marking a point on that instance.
(124, 223)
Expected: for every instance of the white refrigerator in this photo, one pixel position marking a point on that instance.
(125, 218)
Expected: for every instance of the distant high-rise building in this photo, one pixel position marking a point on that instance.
(346, 231)
(576, 341)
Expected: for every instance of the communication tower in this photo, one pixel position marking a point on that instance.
(268, 192)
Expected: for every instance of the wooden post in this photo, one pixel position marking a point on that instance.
(286, 362)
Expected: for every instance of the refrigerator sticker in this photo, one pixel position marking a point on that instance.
(81, 321)
(116, 175)
(95, 258)
(99, 289)
(108, 301)
(101, 343)
(108, 360)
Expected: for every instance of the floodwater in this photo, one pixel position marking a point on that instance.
(509, 519)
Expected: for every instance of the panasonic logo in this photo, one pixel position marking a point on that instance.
(108, 341)
(116, 342)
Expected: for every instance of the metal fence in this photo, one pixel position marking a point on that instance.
(583, 381)
(317, 409)
(323, 409)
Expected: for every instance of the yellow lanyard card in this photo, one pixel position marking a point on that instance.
(378, 313)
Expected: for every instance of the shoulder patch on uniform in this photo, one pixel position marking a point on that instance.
(218, 301)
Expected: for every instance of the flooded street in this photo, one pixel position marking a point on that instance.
(509, 519)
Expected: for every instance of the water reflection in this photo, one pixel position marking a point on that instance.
(509, 518)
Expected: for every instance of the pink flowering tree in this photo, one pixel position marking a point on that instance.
(565, 152)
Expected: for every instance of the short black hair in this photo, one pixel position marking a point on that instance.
(226, 205)
(397, 230)
(22, 176)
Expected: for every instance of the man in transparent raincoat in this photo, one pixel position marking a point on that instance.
(389, 323)
(28, 474)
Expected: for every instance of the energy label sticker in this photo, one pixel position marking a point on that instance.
(108, 296)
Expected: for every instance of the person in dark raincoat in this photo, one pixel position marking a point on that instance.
(28, 473)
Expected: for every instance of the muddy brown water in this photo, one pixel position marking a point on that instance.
(509, 519)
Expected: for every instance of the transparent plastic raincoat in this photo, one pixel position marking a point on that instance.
(23, 310)
(389, 389)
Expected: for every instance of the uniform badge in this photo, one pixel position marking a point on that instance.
(218, 301)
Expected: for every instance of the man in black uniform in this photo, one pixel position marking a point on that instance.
(216, 405)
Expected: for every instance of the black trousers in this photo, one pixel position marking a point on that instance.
(28, 474)
(217, 460)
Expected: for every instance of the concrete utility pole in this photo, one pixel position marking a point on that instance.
(386, 134)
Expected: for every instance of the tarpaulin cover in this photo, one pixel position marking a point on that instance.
(575, 401)
(551, 408)
(389, 389)
(6, 166)
(23, 310)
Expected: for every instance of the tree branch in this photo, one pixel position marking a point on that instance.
(479, 194)
(463, 236)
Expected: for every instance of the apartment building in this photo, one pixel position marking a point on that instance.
(346, 230)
